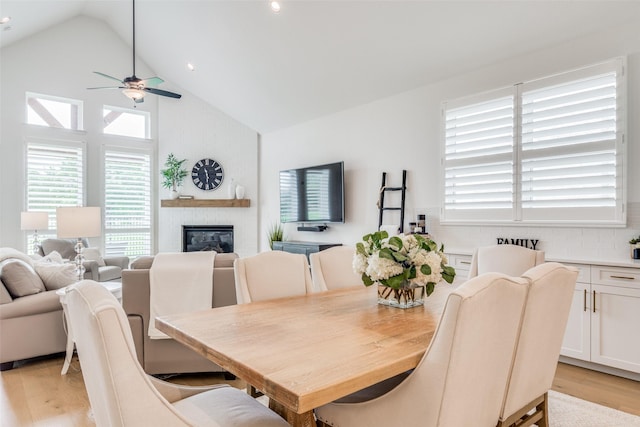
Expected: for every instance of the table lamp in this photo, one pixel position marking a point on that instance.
(34, 221)
(78, 223)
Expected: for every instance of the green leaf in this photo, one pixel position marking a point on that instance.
(386, 253)
(411, 272)
(366, 280)
(396, 242)
(425, 269)
(448, 273)
(430, 288)
(395, 281)
(397, 256)
(360, 249)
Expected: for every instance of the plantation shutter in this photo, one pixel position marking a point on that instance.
(479, 158)
(127, 192)
(570, 156)
(55, 178)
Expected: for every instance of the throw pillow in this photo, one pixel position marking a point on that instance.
(93, 254)
(20, 278)
(56, 276)
(53, 257)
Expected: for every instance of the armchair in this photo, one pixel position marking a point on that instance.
(98, 268)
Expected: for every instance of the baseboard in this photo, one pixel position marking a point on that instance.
(600, 368)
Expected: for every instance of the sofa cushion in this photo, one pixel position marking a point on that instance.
(110, 272)
(56, 276)
(20, 278)
(31, 305)
(52, 257)
(5, 297)
(224, 260)
(8, 253)
(93, 254)
(142, 263)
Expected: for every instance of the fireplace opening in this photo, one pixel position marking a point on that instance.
(217, 238)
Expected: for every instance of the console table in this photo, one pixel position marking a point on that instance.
(304, 248)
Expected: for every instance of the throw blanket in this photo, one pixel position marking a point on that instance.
(179, 283)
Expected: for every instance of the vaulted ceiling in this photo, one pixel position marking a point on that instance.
(313, 58)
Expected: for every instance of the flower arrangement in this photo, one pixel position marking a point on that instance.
(401, 263)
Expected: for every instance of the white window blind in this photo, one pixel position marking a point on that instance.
(569, 167)
(478, 159)
(55, 178)
(562, 161)
(127, 202)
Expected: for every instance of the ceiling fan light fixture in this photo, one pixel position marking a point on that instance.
(5, 19)
(134, 94)
(275, 6)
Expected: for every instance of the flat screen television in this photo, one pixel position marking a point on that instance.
(312, 194)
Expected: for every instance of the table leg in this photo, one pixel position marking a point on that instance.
(306, 419)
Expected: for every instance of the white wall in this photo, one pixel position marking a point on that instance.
(193, 130)
(403, 132)
(60, 61)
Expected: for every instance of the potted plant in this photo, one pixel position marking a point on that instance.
(275, 234)
(173, 174)
(635, 246)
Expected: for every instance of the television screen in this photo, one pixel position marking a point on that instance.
(312, 194)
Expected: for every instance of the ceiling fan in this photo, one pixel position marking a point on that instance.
(133, 87)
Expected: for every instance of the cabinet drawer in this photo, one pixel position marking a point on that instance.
(584, 272)
(462, 263)
(618, 276)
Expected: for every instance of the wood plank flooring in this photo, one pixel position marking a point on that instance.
(35, 394)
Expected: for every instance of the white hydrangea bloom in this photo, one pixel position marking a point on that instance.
(382, 268)
(359, 264)
(433, 260)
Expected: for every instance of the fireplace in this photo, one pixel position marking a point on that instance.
(217, 238)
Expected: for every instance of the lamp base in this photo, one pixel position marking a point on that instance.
(80, 270)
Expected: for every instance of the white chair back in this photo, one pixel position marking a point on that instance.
(119, 391)
(333, 268)
(543, 325)
(269, 275)
(462, 377)
(511, 260)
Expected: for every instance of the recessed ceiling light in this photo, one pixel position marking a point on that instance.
(275, 6)
(190, 66)
(5, 19)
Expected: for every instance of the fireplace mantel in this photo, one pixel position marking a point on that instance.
(205, 203)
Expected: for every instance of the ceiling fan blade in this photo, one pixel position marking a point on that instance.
(108, 76)
(106, 87)
(162, 92)
(152, 81)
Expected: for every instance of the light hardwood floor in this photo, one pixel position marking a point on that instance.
(35, 394)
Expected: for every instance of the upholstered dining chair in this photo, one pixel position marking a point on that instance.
(332, 268)
(269, 275)
(543, 325)
(120, 392)
(462, 377)
(511, 260)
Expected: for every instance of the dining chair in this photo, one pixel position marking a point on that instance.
(332, 268)
(120, 392)
(269, 275)
(538, 349)
(462, 377)
(512, 260)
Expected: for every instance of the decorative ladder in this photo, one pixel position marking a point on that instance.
(383, 190)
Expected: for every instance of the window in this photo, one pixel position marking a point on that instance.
(54, 112)
(127, 189)
(123, 122)
(55, 177)
(547, 151)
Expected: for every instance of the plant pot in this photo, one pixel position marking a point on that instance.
(239, 192)
(174, 194)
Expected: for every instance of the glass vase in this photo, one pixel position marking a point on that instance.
(407, 296)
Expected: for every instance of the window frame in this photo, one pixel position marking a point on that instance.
(79, 104)
(145, 114)
(514, 215)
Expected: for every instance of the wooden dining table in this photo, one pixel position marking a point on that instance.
(306, 351)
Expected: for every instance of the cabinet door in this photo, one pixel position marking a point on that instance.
(614, 327)
(461, 263)
(576, 341)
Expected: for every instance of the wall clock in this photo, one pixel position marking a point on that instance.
(207, 174)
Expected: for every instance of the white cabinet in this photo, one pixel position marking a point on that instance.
(461, 263)
(605, 317)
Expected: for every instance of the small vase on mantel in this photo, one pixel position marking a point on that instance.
(174, 193)
(231, 190)
(239, 191)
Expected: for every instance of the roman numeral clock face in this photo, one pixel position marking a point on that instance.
(207, 174)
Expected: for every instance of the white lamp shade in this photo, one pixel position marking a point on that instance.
(34, 221)
(75, 222)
